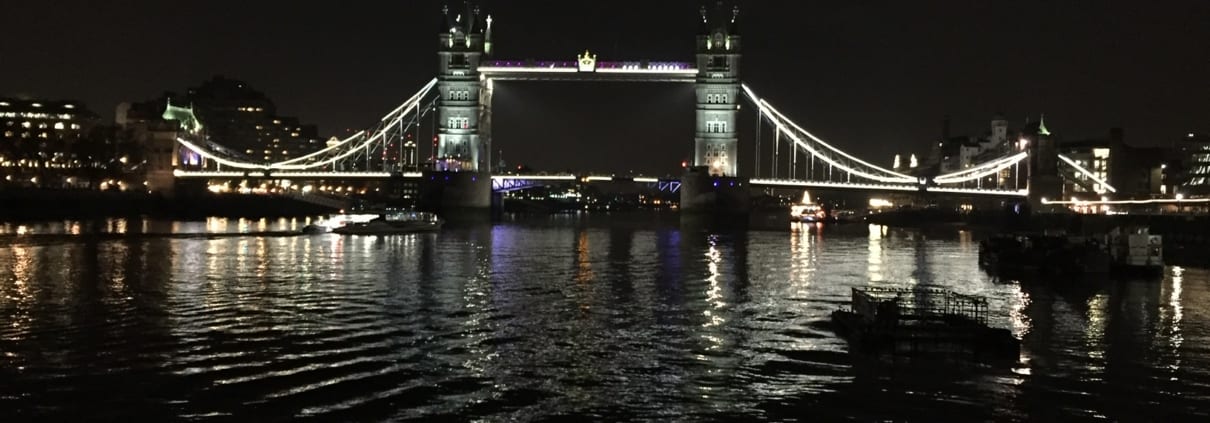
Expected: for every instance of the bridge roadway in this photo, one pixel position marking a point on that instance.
(504, 183)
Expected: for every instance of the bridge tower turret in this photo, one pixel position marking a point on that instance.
(1043, 168)
(718, 90)
(460, 175)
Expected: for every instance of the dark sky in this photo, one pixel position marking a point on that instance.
(876, 77)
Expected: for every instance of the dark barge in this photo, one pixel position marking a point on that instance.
(923, 321)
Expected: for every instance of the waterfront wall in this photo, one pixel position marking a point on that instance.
(84, 204)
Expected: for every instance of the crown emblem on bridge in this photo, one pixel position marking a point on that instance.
(588, 62)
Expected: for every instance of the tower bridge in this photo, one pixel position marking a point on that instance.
(459, 103)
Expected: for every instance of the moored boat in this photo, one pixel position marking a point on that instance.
(394, 223)
(923, 321)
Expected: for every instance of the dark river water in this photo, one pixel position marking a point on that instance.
(594, 318)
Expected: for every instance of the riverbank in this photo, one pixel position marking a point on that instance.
(85, 204)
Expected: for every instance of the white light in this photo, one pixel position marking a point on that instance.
(1180, 197)
(880, 203)
(536, 177)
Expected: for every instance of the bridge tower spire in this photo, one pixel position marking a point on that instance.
(1043, 165)
(718, 90)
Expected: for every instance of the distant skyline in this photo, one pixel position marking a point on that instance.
(875, 78)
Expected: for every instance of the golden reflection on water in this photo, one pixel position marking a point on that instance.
(875, 255)
(1175, 337)
(20, 294)
(584, 272)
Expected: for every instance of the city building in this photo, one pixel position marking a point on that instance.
(1134, 172)
(954, 153)
(37, 133)
(242, 121)
(1192, 174)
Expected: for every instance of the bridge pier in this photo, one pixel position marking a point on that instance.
(443, 191)
(702, 193)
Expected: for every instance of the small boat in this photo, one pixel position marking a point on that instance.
(1136, 251)
(316, 229)
(923, 321)
(394, 223)
(807, 211)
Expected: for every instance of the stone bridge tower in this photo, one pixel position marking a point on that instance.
(718, 91)
(712, 185)
(460, 175)
(462, 45)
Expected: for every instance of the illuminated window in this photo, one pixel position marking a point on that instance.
(716, 127)
(459, 123)
(58, 125)
(8, 134)
(25, 124)
(42, 126)
(69, 106)
(43, 135)
(75, 126)
(36, 104)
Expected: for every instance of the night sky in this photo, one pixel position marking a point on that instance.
(875, 77)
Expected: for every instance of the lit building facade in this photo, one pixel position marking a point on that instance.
(41, 133)
(1194, 164)
(1133, 172)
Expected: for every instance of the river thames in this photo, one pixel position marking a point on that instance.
(592, 317)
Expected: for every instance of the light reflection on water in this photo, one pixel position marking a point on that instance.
(556, 317)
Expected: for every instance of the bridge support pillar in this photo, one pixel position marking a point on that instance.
(442, 191)
(702, 193)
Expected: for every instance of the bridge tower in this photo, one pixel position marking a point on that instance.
(712, 184)
(460, 176)
(1043, 165)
